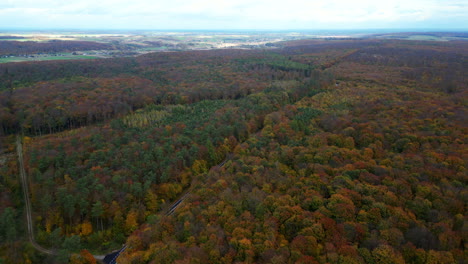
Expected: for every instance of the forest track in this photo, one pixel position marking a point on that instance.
(27, 202)
(176, 204)
(181, 198)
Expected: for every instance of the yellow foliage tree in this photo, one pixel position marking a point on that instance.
(86, 228)
(386, 254)
(199, 167)
(151, 201)
(131, 222)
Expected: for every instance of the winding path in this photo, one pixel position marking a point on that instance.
(27, 202)
(24, 184)
(25, 187)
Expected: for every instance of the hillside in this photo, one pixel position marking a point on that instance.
(344, 151)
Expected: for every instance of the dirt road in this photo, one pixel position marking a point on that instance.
(27, 202)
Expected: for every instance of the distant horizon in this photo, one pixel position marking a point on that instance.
(247, 15)
(292, 30)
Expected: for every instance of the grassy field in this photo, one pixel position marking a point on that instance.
(45, 58)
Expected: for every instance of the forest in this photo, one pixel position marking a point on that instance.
(31, 47)
(318, 151)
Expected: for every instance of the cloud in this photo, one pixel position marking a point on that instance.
(231, 14)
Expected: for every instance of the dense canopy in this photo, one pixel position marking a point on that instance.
(346, 151)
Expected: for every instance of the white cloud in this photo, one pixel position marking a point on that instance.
(230, 13)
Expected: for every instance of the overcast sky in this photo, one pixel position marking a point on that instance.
(234, 14)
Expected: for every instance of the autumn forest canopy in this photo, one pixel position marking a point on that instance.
(306, 151)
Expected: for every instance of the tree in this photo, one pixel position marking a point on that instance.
(83, 258)
(131, 222)
(385, 254)
(97, 211)
(440, 257)
(86, 228)
(8, 225)
(212, 155)
(72, 244)
(151, 201)
(341, 207)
